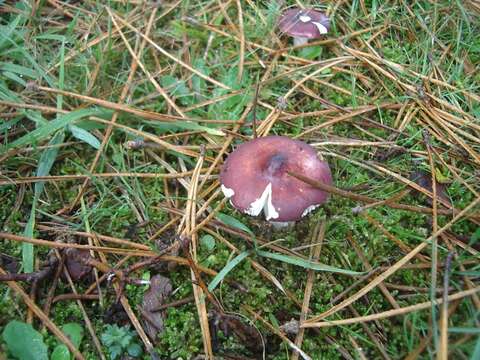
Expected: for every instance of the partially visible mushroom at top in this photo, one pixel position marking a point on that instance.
(304, 24)
(255, 178)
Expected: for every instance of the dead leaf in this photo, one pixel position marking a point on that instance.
(116, 314)
(75, 263)
(159, 290)
(9, 263)
(468, 67)
(424, 180)
(163, 242)
(233, 324)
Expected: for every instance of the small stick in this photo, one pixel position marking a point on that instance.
(82, 297)
(390, 313)
(180, 302)
(254, 110)
(356, 197)
(51, 291)
(434, 256)
(395, 198)
(443, 351)
(29, 277)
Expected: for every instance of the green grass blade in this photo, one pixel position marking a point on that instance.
(9, 29)
(462, 330)
(231, 221)
(39, 69)
(50, 37)
(229, 267)
(61, 76)
(305, 263)
(19, 70)
(14, 77)
(27, 57)
(46, 161)
(9, 124)
(468, 273)
(85, 136)
(187, 125)
(44, 165)
(27, 248)
(7, 94)
(476, 351)
(44, 131)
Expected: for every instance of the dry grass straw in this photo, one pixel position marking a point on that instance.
(389, 313)
(379, 279)
(187, 231)
(445, 121)
(123, 96)
(317, 238)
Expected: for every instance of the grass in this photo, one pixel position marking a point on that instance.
(393, 89)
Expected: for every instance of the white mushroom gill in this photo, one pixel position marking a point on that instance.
(227, 192)
(321, 28)
(264, 202)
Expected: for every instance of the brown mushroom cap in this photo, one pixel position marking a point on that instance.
(255, 178)
(305, 23)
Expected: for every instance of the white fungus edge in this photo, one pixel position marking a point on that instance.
(227, 191)
(309, 209)
(321, 28)
(264, 202)
(304, 18)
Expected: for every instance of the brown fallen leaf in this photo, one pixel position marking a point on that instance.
(230, 324)
(77, 269)
(424, 180)
(159, 290)
(468, 67)
(116, 314)
(9, 263)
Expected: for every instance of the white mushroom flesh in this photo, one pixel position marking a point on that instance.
(264, 202)
(321, 28)
(304, 18)
(227, 192)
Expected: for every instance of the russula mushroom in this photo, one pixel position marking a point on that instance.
(255, 178)
(304, 24)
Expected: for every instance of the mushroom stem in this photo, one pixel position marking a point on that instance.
(279, 225)
(298, 41)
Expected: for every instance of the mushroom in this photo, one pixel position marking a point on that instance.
(255, 178)
(304, 24)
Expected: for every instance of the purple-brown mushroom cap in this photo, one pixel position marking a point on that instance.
(304, 23)
(255, 178)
